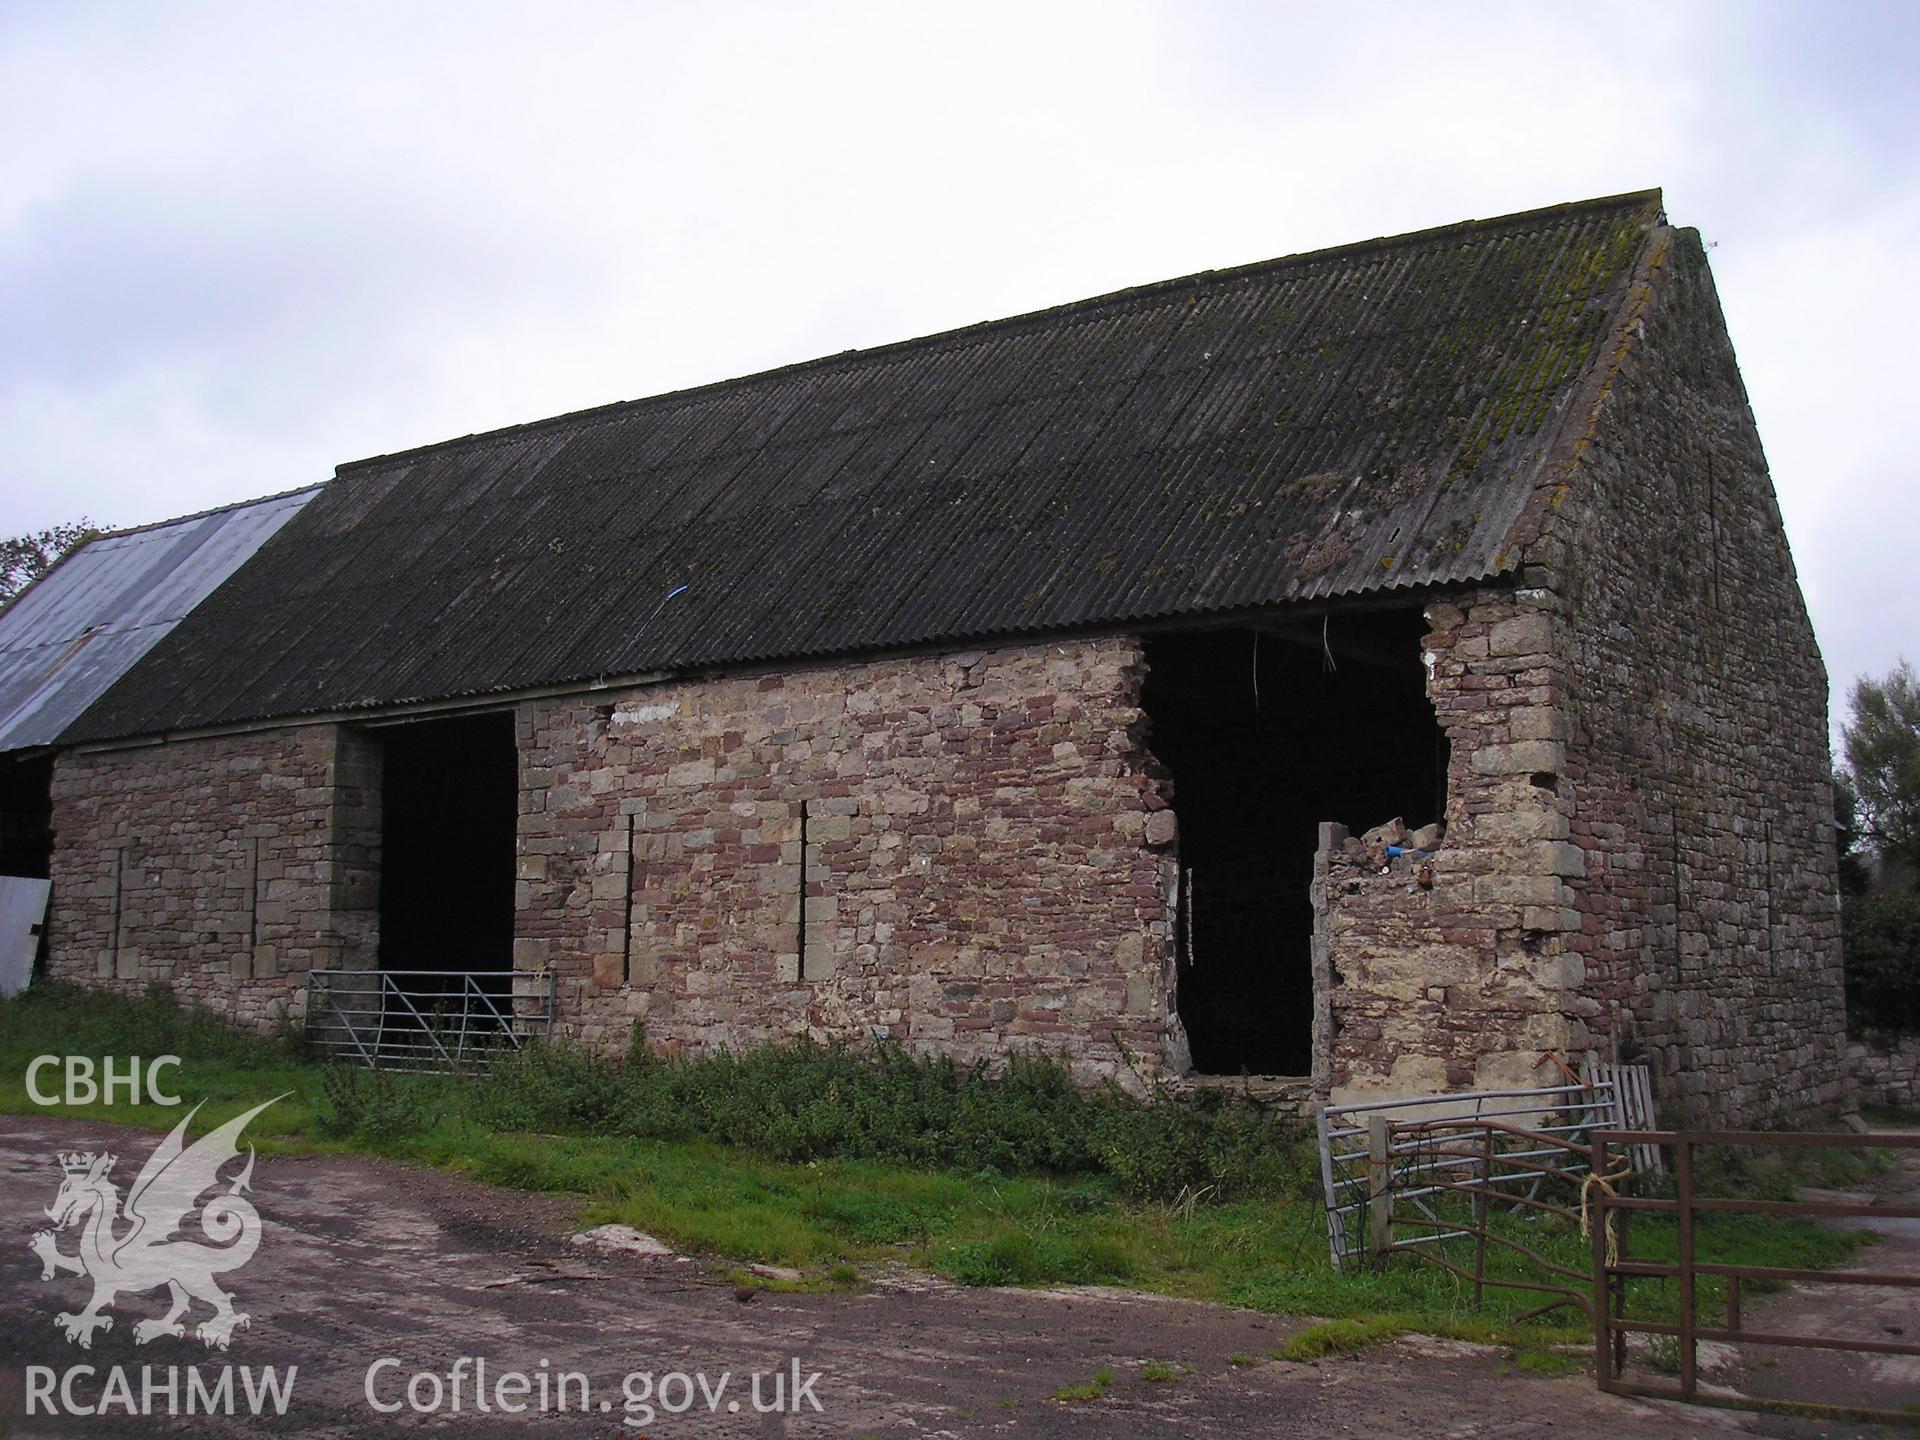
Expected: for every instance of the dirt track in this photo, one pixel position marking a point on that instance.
(362, 1260)
(1873, 1313)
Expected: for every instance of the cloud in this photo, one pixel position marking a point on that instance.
(241, 243)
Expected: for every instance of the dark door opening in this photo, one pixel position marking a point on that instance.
(1265, 734)
(26, 816)
(450, 803)
(26, 828)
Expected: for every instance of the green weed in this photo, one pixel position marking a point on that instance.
(1091, 1390)
(1550, 1362)
(1019, 1258)
(371, 1103)
(1342, 1337)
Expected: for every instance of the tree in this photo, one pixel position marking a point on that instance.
(1881, 938)
(1856, 866)
(1883, 756)
(25, 558)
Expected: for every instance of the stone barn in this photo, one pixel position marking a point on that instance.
(1376, 670)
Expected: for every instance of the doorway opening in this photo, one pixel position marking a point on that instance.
(26, 865)
(450, 803)
(1265, 733)
(26, 816)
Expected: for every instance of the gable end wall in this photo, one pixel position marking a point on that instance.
(1698, 756)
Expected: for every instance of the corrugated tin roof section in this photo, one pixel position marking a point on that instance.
(1329, 424)
(67, 639)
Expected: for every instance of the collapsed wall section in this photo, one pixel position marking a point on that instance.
(1451, 969)
(961, 853)
(1264, 732)
(223, 867)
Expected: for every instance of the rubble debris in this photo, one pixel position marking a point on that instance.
(1384, 844)
(621, 1238)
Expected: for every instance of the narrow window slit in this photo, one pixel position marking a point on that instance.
(626, 925)
(800, 937)
(252, 958)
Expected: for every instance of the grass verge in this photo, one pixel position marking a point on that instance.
(1011, 1180)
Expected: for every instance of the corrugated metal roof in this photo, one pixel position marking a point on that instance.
(84, 624)
(1322, 425)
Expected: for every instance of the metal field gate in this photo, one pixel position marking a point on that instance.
(427, 1019)
(1403, 1163)
(1460, 1182)
(1709, 1289)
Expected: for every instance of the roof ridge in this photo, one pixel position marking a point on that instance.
(1564, 454)
(211, 510)
(125, 530)
(1650, 200)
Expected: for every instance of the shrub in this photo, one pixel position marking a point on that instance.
(90, 1021)
(1882, 940)
(802, 1101)
(1210, 1145)
(796, 1101)
(562, 1086)
(1018, 1258)
(370, 1103)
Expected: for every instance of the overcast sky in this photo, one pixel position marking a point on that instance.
(240, 243)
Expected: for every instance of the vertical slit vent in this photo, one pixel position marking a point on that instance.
(800, 937)
(119, 888)
(626, 923)
(1713, 527)
(1766, 840)
(253, 905)
(1679, 890)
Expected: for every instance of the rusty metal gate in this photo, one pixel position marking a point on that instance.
(1489, 1170)
(1414, 1177)
(1613, 1267)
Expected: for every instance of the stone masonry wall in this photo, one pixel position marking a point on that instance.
(1886, 1070)
(224, 867)
(1697, 759)
(961, 853)
(1456, 974)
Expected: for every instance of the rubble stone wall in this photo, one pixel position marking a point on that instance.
(1453, 971)
(963, 853)
(1698, 763)
(1885, 1070)
(224, 867)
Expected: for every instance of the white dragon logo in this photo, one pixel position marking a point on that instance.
(143, 1257)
